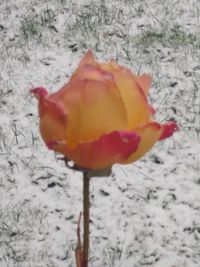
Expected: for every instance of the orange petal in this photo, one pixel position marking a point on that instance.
(150, 134)
(109, 66)
(110, 148)
(95, 73)
(133, 97)
(144, 81)
(87, 60)
(53, 120)
(93, 109)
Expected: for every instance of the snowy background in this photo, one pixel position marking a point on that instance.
(147, 213)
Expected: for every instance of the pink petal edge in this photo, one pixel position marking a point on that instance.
(51, 144)
(168, 129)
(39, 92)
(109, 149)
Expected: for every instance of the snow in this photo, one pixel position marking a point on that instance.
(146, 213)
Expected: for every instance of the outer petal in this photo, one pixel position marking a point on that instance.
(95, 73)
(150, 134)
(90, 70)
(39, 92)
(168, 129)
(53, 120)
(110, 148)
(144, 81)
(93, 109)
(134, 99)
(87, 60)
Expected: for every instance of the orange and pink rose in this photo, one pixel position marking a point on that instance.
(101, 116)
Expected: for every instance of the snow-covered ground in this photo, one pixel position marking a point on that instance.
(147, 213)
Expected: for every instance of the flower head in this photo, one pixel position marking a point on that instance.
(101, 116)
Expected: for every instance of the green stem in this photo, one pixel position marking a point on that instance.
(86, 207)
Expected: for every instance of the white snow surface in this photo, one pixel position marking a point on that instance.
(147, 213)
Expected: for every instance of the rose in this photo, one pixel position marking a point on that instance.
(101, 116)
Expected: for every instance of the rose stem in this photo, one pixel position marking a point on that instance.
(86, 206)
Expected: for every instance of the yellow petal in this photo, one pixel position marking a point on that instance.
(150, 134)
(143, 81)
(134, 98)
(132, 88)
(109, 66)
(93, 109)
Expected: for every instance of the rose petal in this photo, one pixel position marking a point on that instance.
(91, 72)
(93, 109)
(109, 66)
(130, 87)
(53, 120)
(152, 110)
(39, 92)
(134, 98)
(87, 60)
(110, 148)
(168, 129)
(144, 81)
(149, 134)
(52, 144)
